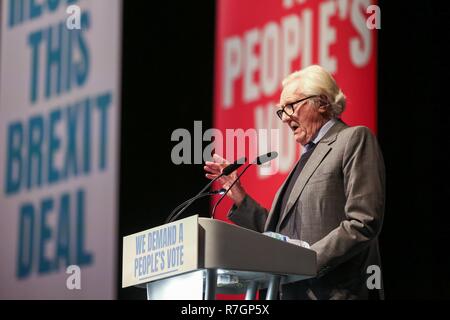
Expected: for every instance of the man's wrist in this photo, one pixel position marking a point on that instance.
(239, 198)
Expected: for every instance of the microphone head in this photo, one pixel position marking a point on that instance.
(265, 158)
(234, 166)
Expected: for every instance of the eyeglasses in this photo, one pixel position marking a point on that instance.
(290, 107)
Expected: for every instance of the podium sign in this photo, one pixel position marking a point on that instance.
(160, 252)
(195, 258)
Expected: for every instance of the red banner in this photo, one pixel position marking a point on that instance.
(259, 43)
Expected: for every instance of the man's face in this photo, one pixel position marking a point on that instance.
(307, 118)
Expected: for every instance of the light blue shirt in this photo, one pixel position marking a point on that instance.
(323, 130)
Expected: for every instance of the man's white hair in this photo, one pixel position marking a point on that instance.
(315, 80)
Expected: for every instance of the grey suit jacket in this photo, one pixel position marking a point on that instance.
(338, 204)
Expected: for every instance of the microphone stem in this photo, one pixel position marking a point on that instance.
(209, 184)
(236, 180)
(187, 202)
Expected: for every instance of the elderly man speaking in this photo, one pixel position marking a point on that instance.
(333, 199)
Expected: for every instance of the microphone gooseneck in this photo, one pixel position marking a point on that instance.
(226, 171)
(258, 161)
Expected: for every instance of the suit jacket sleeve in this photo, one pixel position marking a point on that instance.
(364, 179)
(249, 214)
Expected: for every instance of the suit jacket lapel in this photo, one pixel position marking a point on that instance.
(276, 202)
(321, 151)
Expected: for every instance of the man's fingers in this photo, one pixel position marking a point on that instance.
(214, 166)
(210, 176)
(211, 169)
(219, 159)
(226, 180)
(214, 169)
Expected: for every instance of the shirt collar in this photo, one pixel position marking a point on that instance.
(322, 132)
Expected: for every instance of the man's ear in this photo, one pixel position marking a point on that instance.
(323, 109)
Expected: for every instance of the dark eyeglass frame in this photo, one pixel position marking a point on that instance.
(289, 108)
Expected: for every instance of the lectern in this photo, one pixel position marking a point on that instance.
(195, 258)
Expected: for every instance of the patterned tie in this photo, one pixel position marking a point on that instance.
(293, 178)
(309, 146)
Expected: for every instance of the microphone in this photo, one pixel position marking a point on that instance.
(265, 158)
(258, 161)
(187, 202)
(226, 171)
(234, 166)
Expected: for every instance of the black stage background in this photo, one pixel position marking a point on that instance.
(168, 55)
